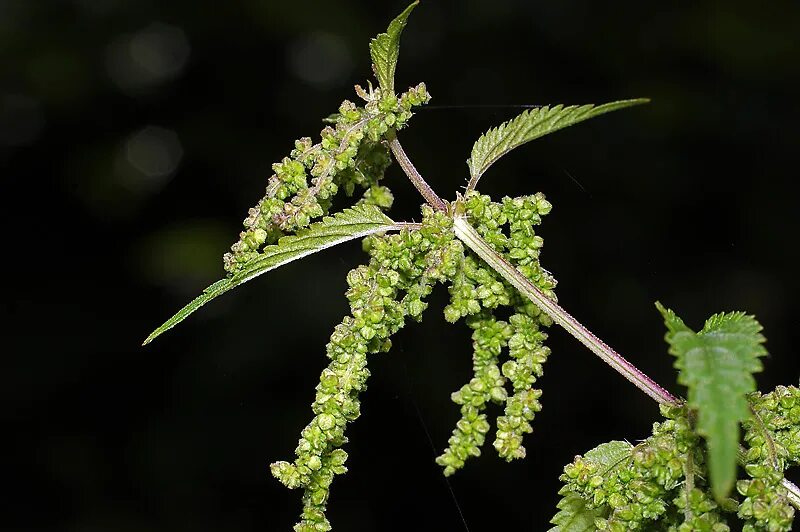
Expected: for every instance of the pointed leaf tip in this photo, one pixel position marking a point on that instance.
(385, 49)
(529, 125)
(346, 225)
(717, 366)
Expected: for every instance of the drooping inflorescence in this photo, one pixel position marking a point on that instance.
(681, 478)
(476, 292)
(402, 270)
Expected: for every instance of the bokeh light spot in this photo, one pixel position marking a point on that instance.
(155, 152)
(148, 58)
(320, 59)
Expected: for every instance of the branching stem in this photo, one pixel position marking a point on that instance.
(467, 234)
(422, 186)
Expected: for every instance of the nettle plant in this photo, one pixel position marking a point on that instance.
(682, 477)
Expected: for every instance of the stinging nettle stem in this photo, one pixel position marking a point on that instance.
(467, 234)
(422, 186)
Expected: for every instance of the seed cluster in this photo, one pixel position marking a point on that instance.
(636, 491)
(476, 292)
(773, 439)
(401, 272)
(350, 155)
(663, 478)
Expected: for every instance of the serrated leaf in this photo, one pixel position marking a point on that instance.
(529, 125)
(717, 366)
(573, 514)
(346, 225)
(608, 455)
(385, 49)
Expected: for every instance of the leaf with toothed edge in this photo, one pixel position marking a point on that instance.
(385, 49)
(348, 224)
(574, 515)
(717, 366)
(529, 125)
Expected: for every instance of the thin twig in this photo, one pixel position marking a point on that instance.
(467, 234)
(422, 186)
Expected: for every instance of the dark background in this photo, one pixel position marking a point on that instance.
(134, 136)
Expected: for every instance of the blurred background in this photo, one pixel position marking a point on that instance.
(134, 136)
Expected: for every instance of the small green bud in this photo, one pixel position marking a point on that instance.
(367, 332)
(314, 463)
(326, 421)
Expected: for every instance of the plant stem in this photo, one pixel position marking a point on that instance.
(793, 493)
(688, 474)
(422, 186)
(467, 234)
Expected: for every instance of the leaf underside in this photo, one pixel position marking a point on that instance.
(573, 514)
(717, 366)
(385, 49)
(347, 225)
(529, 125)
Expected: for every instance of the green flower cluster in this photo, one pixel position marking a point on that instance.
(401, 273)
(475, 292)
(772, 435)
(350, 154)
(488, 339)
(528, 356)
(695, 511)
(634, 492)
(669, 467)
(402, 270)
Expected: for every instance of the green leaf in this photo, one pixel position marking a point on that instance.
(347, 225)
(573, 515)
(529, 125)
(717, 366)
(385, 48)
(608, 455)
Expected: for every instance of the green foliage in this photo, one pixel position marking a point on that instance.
(343, 226)
(631, 488)
(350, 155)
(575, 514)
(487, 253)
(382, 295)
(717, 366)
(529, 125)
(772, 435)
(385, 49)
(476, 292)
(662, 483)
